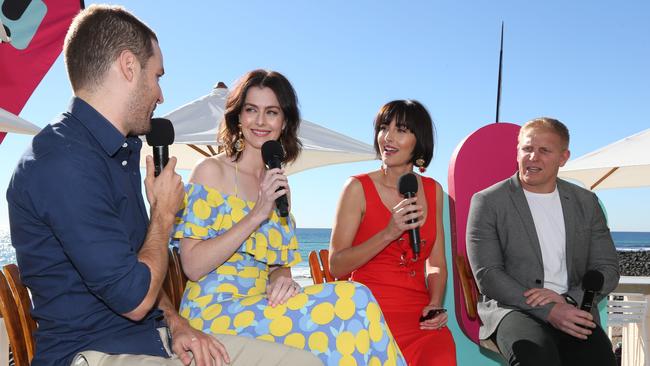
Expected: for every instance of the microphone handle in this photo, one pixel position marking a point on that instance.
(281, 202)
(410, 195)
(414, 234)
(588, 300)
(160, 158)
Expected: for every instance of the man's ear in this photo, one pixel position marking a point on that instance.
(566, 154)
(128, 64)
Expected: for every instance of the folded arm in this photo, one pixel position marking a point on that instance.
(485, 253)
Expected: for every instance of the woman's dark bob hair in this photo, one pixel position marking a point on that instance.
(283, 90)
(412, 115)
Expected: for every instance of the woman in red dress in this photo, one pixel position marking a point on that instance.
(370, 237)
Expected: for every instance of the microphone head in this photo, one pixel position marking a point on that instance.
(593, 281)
(162, 132)
(407, 183)
(272, 150)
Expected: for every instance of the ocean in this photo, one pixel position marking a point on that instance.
(315, 239)
(309, 239)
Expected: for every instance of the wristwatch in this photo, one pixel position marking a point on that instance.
(570, 300)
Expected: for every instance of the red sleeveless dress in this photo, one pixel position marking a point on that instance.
(399, 284)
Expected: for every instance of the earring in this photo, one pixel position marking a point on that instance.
(419, 162)
(240, 144)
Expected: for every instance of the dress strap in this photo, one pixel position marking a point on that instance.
(429, 186)
(369, 190)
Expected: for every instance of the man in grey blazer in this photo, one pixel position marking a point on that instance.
(530, 240)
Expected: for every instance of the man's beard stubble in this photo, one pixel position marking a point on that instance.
(140, 114)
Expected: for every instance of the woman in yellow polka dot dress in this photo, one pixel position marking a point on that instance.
(237, 252)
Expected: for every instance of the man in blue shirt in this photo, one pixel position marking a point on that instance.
(91, 257)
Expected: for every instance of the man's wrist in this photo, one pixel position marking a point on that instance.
(166, 219)
(174, 321)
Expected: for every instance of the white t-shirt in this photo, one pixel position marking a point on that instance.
(549, 223)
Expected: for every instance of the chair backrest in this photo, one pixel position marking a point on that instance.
(168, 284)
(23, 304)
(315, 268)
(324, 256)
(468, 286)
(176, 279)
(9, 312)
(319, 265)
(486, 156)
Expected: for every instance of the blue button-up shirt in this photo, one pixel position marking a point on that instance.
(78, 220)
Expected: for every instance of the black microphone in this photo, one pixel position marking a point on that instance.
(273, 155)
(160, 137)
(408, 187)
(592, 283)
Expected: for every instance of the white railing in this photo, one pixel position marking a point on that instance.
(629, 311)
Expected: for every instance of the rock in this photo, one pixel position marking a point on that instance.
(634, 263)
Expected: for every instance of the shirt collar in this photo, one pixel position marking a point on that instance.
(108, 137)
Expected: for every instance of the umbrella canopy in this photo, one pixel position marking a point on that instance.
(9, 122)
(622, 164)
(196, 125)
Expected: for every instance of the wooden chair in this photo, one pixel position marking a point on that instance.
(319, 265)
(470, 294)
(24, 305)
(12, 321)
(315, 268)
(324, 256)
(176, 279)
(468, 286)
(168, 283)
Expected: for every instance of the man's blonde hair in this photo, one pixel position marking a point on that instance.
(549, 124)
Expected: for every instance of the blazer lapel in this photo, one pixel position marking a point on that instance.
(520, 202)
(568, 210)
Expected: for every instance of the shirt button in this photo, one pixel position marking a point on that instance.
(125, 145)
(412, 273)
(124, 163)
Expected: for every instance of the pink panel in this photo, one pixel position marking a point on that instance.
(485, 157)
(38, 32)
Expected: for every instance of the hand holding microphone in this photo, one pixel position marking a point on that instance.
(592, 283)
(574, 321)
(159, 138)
(163, 186)
(273, 155)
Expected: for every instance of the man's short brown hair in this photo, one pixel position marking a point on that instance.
(549, 124)
(97, 36)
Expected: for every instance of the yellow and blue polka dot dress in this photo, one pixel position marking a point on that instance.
(339, 322)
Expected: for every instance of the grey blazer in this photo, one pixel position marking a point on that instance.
(505, 255)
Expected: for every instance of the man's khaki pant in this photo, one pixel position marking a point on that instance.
(243, 351)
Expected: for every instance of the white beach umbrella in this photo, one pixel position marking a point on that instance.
(196, 125)
(622, 164)
(9, 122)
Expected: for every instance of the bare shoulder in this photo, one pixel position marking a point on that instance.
(352, 186)
(211, 171)
(438, 189)
(429, 181)
(353, 189)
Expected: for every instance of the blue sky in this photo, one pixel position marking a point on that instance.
(583, 62)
